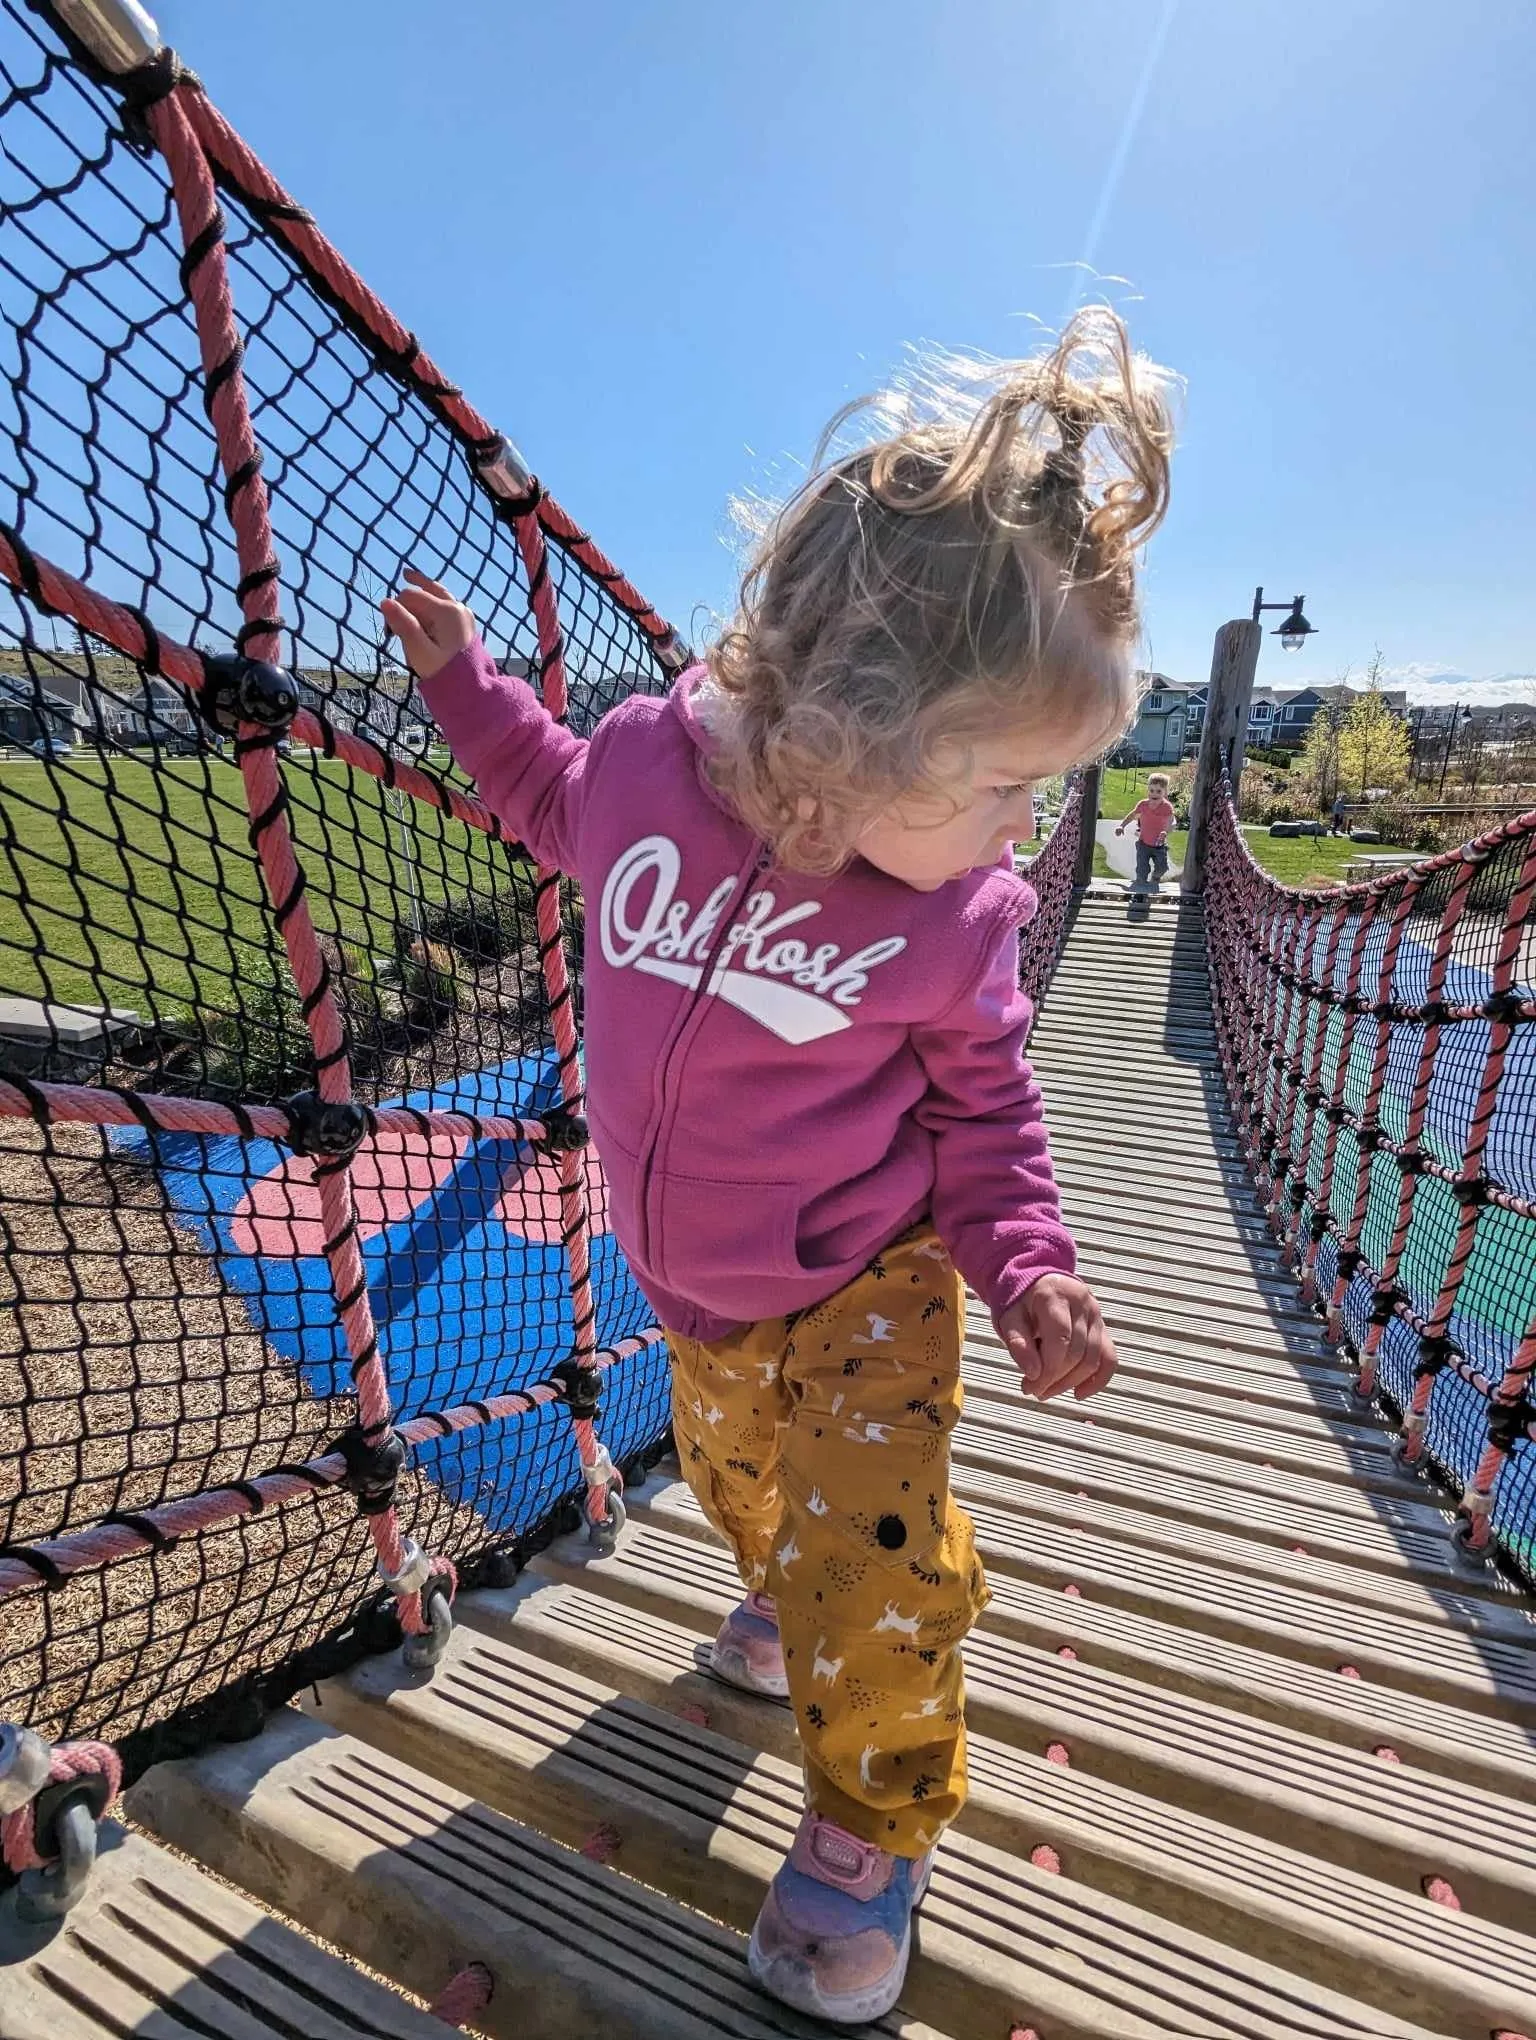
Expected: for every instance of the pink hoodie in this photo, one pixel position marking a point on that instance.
(783, 1072)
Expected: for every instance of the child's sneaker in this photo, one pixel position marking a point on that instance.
(835, 1932)
(748, 1653)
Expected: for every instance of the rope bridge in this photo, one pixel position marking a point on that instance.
(299, 1224)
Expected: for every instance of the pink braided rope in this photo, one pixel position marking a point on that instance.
(55, 1558)
(242, 171)
(124, 630)
(84, 1105)
(465, 1996)
(18, 1831)
(575, 1219)
(207, 280)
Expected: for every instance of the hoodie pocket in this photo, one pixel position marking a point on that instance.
(736, 1231)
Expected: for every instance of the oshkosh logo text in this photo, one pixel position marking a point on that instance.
(797, 991)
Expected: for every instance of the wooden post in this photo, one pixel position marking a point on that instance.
(1224, 736)
(1088, 824)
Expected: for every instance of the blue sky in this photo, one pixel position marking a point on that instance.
(659, 245)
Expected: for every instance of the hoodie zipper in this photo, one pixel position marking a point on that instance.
(746, 879)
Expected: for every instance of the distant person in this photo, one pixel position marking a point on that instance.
(1154, 817)
(1340, 823)
(805, 1056)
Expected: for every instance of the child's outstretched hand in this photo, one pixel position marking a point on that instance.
(1057, 1336)
(431, 626)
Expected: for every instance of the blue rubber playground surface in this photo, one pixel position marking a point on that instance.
(466, 1279)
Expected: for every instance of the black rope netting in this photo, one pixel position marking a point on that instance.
(171, 1325)
(289, 1092)
(1380, 1048)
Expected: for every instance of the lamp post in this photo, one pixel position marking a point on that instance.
(1224, 733)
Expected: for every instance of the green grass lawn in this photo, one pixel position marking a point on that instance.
(135, 885)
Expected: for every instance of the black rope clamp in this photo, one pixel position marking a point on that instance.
(1504, 1007)
(1336, 1113)
(237, 690)
(1384, 1304)
(90, 1790)
(1412, 1161)
(1317, 1224)
(579, 1384)
(1349, 1263)
(1435, 1355)
(1470, 1191)
(1297, 1192)
(318, 1128)
(374, 1466)
(1312, 1097)
(1369, 1138)
(564, 1132)
(1509, 1421)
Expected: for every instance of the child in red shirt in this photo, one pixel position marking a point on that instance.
(1153, 817)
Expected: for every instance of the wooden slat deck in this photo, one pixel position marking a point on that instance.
(1289, 1715)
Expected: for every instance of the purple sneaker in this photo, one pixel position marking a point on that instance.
(748, 1653)
(835, 1932)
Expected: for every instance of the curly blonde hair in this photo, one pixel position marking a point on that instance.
(971, 572)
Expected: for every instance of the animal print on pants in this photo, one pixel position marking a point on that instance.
(818, 1445)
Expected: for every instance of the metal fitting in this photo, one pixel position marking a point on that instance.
(118, 33)
(415, 1571)
(601, 1471)
(25, 1761)
(506, 474)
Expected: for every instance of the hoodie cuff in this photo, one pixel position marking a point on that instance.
(1050, 1254)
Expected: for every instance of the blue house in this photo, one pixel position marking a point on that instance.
(1161, 728)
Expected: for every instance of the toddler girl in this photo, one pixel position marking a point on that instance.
(805, 1056)
(1152, 819)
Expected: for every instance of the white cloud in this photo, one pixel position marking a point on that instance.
(1425, 682)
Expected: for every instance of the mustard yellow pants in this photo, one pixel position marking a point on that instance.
(818, 1445)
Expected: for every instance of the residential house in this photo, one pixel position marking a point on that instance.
(1158, 736)
(1279, 718)
(32, 714)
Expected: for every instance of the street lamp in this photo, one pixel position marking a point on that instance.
(1295, 630)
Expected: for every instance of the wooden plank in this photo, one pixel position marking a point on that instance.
(707, 1817)
(1489, 1673)
(156, 1950)
(418, 1880)
(1285, 1377)
(1310, 1441)
(1342, 1805)
(1045, 1443)
(1358, 1712)
(1063, 1481)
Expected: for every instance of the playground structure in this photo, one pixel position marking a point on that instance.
(326, 1380)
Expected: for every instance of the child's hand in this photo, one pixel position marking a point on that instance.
(431, 626)
(1057, 1336)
